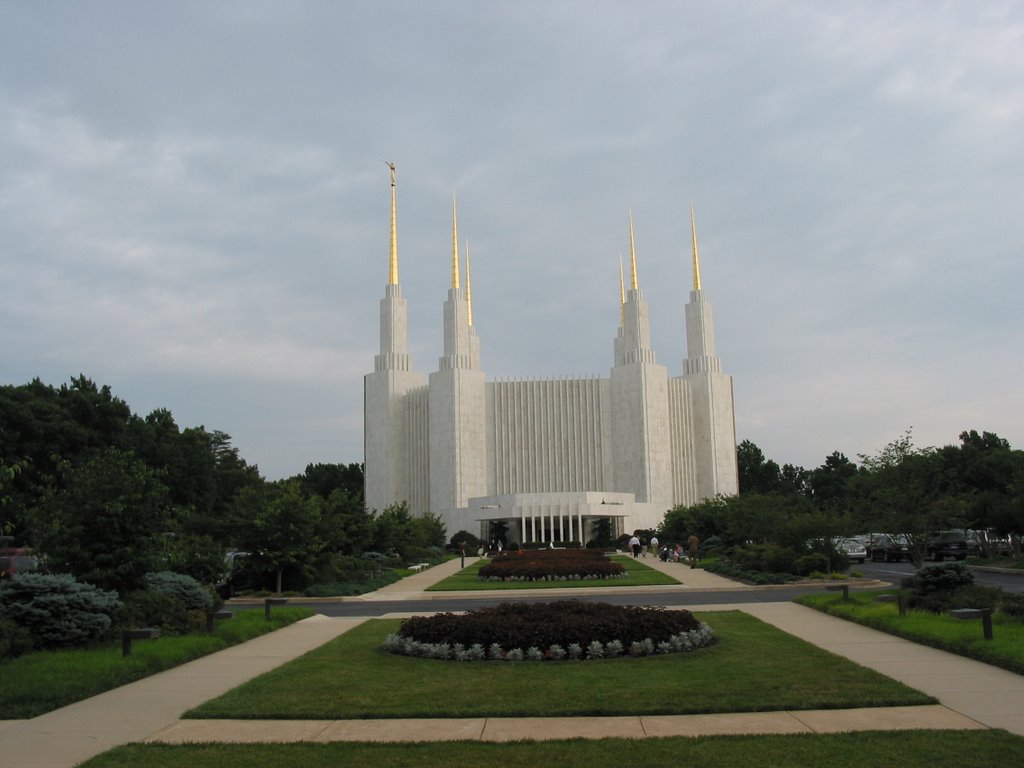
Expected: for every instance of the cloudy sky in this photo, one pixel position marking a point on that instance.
(194, 208)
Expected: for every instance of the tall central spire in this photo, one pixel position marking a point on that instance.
(632, 255)
(455, 247)
(393, 261)
(622, 294)
(469, 288)
(696, 258)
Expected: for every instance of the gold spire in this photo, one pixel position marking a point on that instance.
(469, 287)
(622, 293)
(696, 258)
(632, 254)
(393, 261)
(455, 247)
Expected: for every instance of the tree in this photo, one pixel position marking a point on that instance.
(104, 525)
(911, 493)
(325, 479)
(345, 525)
(284, 527)
(829, 484)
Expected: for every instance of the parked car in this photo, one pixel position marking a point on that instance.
(890, 549)
(854, 549)
(16, 560)
(236, 577)
(947, 544)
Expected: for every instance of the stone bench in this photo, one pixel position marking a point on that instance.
(419, 567)
(985, 614)
(142, 633)
(271, 601)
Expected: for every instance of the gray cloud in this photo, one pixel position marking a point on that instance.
(193, 207)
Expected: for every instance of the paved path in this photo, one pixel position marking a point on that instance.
(972, 695)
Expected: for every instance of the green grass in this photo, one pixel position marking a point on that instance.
(637, 575)
(1005, 650)
(902, 749)
(43, 681)
(753, 667)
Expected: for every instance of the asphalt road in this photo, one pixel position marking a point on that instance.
(895, 572)
(891, 572)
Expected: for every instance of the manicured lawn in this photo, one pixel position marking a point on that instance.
(1005, 650)
(637, 575)
(904, 749)
(753, 667)
(43, 681)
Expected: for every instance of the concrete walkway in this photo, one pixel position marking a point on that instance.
(972, 695)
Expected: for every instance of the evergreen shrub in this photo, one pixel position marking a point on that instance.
(57, 610)
(190, 592)
(149, 608)
(14, 640)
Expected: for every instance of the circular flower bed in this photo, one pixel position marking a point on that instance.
(567, 629)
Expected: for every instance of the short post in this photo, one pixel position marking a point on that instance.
(985, 614)
(900, 599)
(272, 601)
(145, 633)
(211, 616)
(844, 588)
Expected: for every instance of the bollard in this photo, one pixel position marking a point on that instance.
(212, 615)
(272, 601)
(845, 588)
(900, 599)
(145, 633)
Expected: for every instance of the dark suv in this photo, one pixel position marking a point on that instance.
(890, 549)
(947, 544)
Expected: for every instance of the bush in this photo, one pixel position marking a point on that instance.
(1012, 605)
(563, 623)
(946, 577)
(334, 568)
(186, 589)
(976, 596)
(770, 558)
(147, 608)
(543, 564)
(384, 561)
(56, 610)
(808, 564)
(14, 640)
(465, 537)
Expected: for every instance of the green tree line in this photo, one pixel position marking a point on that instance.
(108, 495)
(977, 484)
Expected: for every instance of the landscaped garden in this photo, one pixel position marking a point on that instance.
(536, 565)
(929, 596)
(565, 630)
(43, 681)
(752, 666)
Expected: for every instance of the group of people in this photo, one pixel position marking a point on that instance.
(638, 548)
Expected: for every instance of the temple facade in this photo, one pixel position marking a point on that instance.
(546, 457)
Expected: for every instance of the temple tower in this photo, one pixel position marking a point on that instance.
(385, 438)
(639, 398)
(713, 440)
(457, 406)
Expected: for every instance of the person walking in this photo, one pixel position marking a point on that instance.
(634, 546)
(654, 546)
(693, 543)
